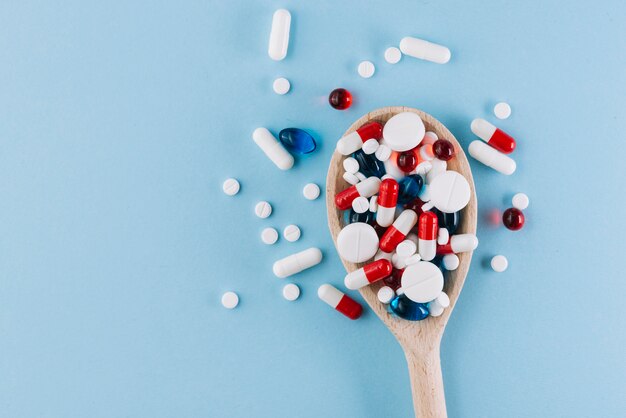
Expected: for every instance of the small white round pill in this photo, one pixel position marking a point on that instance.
(350, 178)
(230, 300)
(370, 146)
(414, 259)
(443, 236)
(281, 86)
(502, 110)
(393, 55)
(291, 233)
(450, 262)
(263, 209)
(269, 236)
(360, 176)
(383, 152)
(351, 165)
(406, 248)
(520, 201)
(291, 291)
(366, 69)
(311, 191)
(385, 294)
(435, 309)
(361, 204)
(499, 263)
(373, 203)
(231, 187)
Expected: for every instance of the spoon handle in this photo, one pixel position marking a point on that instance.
(427, 384)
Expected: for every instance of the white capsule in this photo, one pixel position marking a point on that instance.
(443, 236)
(425, 50)
(263, 209)
(311, 191)
(368, 187)
(269, 236)
(520, 201)
(373, 204)
(357, 242)
(443, 299)
(434, 309)
(351, 165)
(230, 300)
(393, 55)
(350, 178)
(450, 262)
(366, 69)
(370, 146)
(272, 148)
(281, 86)
(385, 294)
(291, 292)
(231, 187)
(297, 262)
(499, 263)
(279, 35)
(361, 204)
(291, 233)
(491, 157)
(383, 152)
(462, 243)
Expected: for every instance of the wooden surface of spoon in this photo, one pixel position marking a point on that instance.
(420, 340)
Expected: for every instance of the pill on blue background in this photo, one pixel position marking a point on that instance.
(491, 157)
(295, 263)
(279, 35)
(281, 86)
(291, 233)
(492, 135)
(231, 187)
(393, 55)
(272, 148)
(339, 301)
(263, 209)
(366, 69)
(291, 292)
(269, 236)
(502, 110)
(369, 273)
(404, 131)
(419, 48)
(230, 300)
(520, 201)
(311, 191)
(357, 242)
(499, 263)
(297, 140)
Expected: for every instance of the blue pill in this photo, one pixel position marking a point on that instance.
(297, 140)
(410, 187)
(351, 217)
(450, 221)
(407, 309)
(369, 165)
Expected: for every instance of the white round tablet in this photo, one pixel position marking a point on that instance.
(430, 137)
(351, 165)
(443, 299)
(357, 242)
(291, 291)
(450, 262)
(311, 191)
(383, 152)
(406, 248)
(291, 233)
(422, 282)
(281, 86)
(374, 204)
(263, 209)
(393, 55)
(230, 300)
(404, 131)
(502, 110)
(385, 294)
(370, 146)
(520, 201)
(366, 69)
(499, 263)
(449, 192)
(269, 236)
(231, 187)
(435, 309)
(350, 178)
(361, 204)
(397, 261)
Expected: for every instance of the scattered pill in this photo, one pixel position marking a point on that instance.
(361, 204)
(502, 110)
(400, 228)
(279, 35)
(269, 236)
(422, 282)
(499, 263)
(366, 69)
(230, 300)
(281, 86)
(406, 248)
(520, 201)
(311, 191)
(357, 242)
(393, 55)
(385, 294)
(291, 291)
(383, 152)
(495, 137)
(443, 236)
(492, 157)
(374, 204)
(297, 140)
(370, 146)
(354, 141)
(370, 273)
(350, 178)
(272, 148)
(513, 219)
(340, 301)
(449, 192)
(295, 263)
(231, 187)
(291, 233)
(351, 165)
(367, 188)
(450, 262)
(404, 131)
(340, 99)
(459, 244)
(428, 230)
(263, 209)
(425, 50)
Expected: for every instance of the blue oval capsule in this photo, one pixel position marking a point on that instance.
(410, 187)
(450, 221)
(407, 309)
(369, 165)
(297, 140)
(351, 217)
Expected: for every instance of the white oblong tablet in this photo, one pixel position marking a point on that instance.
(361, 204)
(366, 69)
(297, 262)
(269, 236)
(263, 209)
(231, 187)
(393, 55)
(383, 152)
(281, 86)
(499, 263)
(370, 146)
(449, 192)
(491, 157)
(425, 50)
(291, 292)
(350, 178)
(230, 300)
(357, 242)
(502, 110)
(406, 248)
(385, 294)
(404, 131)
(422, 282)
(272, 148)
(279, 35)
(291, 233)
(311, 191)
(520, 201)
(351, 165)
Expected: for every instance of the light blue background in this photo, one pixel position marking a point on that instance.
(120, 120)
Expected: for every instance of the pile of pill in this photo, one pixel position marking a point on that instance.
(402, 208)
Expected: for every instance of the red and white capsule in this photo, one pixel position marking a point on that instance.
(459, 244)
(387, 200)
(427, 232)
(367, 274)
(354, 141)
(339, 301)
(367, 188)
(495, 137)
(396, 233)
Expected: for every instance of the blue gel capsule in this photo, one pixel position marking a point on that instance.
(450, 221)
(296, 140)
(410, 187)
(407, 309)
(351, 217)
(369, 165)
(438, 261)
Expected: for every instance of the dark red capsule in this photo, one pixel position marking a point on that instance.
(443, 149)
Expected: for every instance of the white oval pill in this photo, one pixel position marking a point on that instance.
(272, 148)
(230, 300)
(491, 157)
(279, 35)
(404, 131)
(502, 110)
(361, 204)
(231, 187)
(425, 50)
(269, 236)
(435, 309)
(291, 292)
(360, 176)
(385, 294)
(281, 86)
(450, 262)
(263, 209)
(393, 55)
(383, 152)
(499, 263)
(374, 204)
(398, 261)
(370, 146)
(351, 165)
(406, 248)
(311, 191)
(415, 258)
(366, 69)
(357, 242)
(520, 201)
(449, 192)
(350, 178)
(422, 282)
(443, 299)
(295, 263)
(291, 233)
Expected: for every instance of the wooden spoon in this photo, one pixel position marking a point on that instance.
(420, 340)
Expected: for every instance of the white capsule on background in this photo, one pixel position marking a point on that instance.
(425, 50)
(272, 148)
(279, 35)
(491, 157)
(295, 263)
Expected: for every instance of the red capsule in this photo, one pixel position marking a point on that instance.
(427, 232)
(495, 137)
(366, 188)
(340, 301)
(367, 274)
(396, 233)
(354, 141)
(387, 200)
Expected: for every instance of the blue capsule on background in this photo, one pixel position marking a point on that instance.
(450, 221)
(410, 187)
(405, 308)
(351, 217)
(369, 165)
(297, 140)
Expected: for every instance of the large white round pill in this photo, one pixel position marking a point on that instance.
(230, 300)
(263, 209)
(502, 110)
(357, 242)
(499, 263)
(422, 282)
(404, 131)
(231, 187)
(281, 86)
(393, 55)
(385, 294)
(311, 191)
(291, 291)
(449, 192)
(366, 69)
(291, 233)
(520, 201)
(361, 204)
(269, 236)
